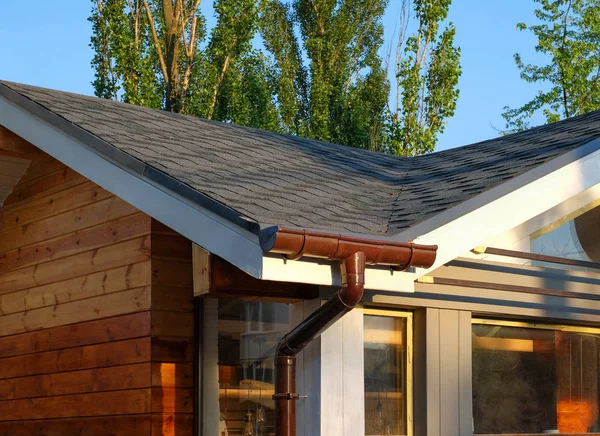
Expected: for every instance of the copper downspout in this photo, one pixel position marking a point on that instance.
(353, 254)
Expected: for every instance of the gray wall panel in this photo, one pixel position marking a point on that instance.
(442, 373)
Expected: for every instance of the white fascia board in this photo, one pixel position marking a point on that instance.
(207, 229)
(326, 273)
(519, 238)
(515, 208)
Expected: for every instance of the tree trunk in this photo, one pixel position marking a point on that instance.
(173, 14)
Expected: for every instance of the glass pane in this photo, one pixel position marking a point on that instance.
(385, 375)
(529, 380)
(577, 239)
(248, 333)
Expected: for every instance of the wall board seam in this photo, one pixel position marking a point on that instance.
(51, 173)
(46, 193)
(43, 200)
(72, 232)
(70, 348)
(72, 298)
(35, 267)
(3, 312)
(99, 391)
(41, 331)
(141, 290)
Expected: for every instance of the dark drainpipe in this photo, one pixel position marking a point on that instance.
(353, 254)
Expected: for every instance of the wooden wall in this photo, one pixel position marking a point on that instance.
(96, 319)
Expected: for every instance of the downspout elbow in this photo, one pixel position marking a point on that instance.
(350, 294)
(353, 279)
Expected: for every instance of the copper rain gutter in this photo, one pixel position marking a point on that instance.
(353, 254)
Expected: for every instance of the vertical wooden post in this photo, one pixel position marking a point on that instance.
(201, 270)
(210, 368)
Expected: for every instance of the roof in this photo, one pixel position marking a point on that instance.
(256, 178)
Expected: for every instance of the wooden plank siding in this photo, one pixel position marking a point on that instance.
(96, 311)
(172, 332)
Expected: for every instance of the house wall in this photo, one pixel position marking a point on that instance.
(96, 317)
(442, 330)
(506, 290)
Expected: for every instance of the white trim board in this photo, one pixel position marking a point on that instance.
(326, 273)
(205, 228)
(519, 237)
(511, 210)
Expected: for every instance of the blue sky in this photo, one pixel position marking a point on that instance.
(49, 46)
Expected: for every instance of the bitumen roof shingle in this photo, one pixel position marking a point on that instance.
(275, 179)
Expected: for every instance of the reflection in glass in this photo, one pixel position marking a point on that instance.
(574, 237)
(386, 358)
(533, 380)
(249, 426)
(248, 333)
(261, 421)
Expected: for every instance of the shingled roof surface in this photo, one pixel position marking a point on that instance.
(275, 179)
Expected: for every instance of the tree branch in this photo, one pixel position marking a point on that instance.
(560, 67)
(218, 85)
(190, 49)
(161, 58)
(107, 57)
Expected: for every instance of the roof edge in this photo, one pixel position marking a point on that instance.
(554, 183)
(447, 216)
(236, 241)
(124, 160)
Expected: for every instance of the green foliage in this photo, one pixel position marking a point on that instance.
(341, 40)
(319, 75)
(427, 73)
(289, 72)
(568, 33)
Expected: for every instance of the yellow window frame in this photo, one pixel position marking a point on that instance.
(409, 357)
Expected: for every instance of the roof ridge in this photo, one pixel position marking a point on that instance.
(256, 130)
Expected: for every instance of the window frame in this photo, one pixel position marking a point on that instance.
(535, 325)
(370, 311)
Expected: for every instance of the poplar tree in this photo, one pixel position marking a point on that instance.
(318, 72)
(427, 71)
(340, 92)
(568, 33)
(157, 53)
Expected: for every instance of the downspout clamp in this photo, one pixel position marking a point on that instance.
(353, 254)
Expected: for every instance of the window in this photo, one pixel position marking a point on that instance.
(388, 372)
(575, 236)
(239, 342)
(535, 378)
